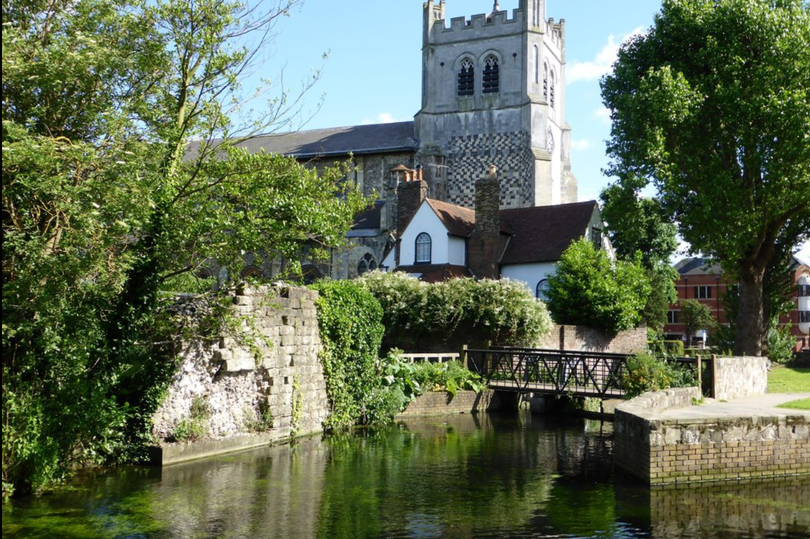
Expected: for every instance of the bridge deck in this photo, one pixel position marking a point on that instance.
(552, 389)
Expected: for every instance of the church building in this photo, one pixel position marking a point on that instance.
(493, 95)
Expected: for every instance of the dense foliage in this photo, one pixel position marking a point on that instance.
(638, 226)
(104, 206)
(711, 107)
(591, 290)
(350, 323)
(645, 372)
(456, 312)
(695, 316)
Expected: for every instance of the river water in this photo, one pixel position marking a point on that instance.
(464, 476)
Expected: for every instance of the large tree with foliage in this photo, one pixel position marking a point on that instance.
(590, 289)
(104, 206)
(712, 106)
(637, 225)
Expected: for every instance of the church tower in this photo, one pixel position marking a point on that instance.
(493, 93)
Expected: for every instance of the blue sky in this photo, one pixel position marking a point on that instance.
(373, 71)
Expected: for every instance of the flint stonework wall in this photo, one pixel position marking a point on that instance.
(740, 377)
(689, 450)
(280, 372)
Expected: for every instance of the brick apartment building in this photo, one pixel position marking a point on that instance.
(700, 280)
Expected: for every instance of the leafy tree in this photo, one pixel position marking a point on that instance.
(105, 203)
(695, 316)
(589, 289)
(637, 224)
(712, 107)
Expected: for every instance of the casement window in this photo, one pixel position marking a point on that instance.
(703, 292)
(466, 78)
(423, 248)
(492, 75)
(672, 317)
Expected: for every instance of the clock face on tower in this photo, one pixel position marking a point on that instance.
(550, 141)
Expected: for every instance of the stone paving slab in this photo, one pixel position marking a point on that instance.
(759, 406)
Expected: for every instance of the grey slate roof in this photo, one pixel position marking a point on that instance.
(337, 141)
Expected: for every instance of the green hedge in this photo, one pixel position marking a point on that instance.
(422, 316)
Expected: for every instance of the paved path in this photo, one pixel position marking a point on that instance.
(760, 406)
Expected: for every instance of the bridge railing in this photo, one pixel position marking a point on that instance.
(550, 371)
(596, 374)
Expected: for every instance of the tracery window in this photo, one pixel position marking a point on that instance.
(366, 264)
(492, 75)
(466, 78)
(423, 248)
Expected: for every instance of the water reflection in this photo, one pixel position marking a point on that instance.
(454, 477)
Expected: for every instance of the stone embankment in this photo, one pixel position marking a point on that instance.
(242, 395)
(671, 437)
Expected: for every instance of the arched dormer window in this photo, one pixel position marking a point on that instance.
(545, 82)
(423, 248)
(466, 78)
(492, 75)
(551, 91)
(536, 65)
(366, 264)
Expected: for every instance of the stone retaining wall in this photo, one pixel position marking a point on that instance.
(239, 386)
(441, 402)
(740, 377)
(680, 450)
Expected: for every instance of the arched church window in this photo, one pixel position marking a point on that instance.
(545, 82)
(366, 264)
(423, 248)
(536, 65)
(466, 78)
(492, 75)
(251, 272)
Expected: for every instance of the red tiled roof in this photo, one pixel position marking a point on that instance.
(434, 273)
(542, 233)
(458, 220)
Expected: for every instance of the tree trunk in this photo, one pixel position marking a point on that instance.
(751, 324)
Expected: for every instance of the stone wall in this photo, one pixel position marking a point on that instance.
(238, 387)
(593, 340)
(740, 377)
(441, 402)
(684, 449)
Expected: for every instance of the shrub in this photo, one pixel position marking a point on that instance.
(350, 323)
(589, 289)
(456, 312)
(644, 372)
(780, 344)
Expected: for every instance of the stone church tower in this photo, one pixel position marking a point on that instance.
(493, 93)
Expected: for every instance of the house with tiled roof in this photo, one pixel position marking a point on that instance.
(440, 240)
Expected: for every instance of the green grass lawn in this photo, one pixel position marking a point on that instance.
(801, 404)
(788, 380)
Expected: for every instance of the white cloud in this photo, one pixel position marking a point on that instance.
(381, 118)
(603, 114)
(602, 63)
(583, 144)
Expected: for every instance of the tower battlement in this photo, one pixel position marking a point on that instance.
(494, 24)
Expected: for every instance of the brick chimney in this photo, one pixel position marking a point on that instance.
(484, 245)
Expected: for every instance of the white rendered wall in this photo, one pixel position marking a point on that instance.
(457, 251)
(425, 220)
(529, 274)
